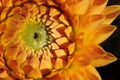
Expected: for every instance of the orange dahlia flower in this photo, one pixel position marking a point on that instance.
(54, 39)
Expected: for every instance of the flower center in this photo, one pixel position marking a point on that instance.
(35, 35)
(39, 38)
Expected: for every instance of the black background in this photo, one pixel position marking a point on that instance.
(112, 44)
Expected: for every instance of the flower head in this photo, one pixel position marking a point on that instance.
(54, 39)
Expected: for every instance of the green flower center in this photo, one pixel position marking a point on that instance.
(35, 35)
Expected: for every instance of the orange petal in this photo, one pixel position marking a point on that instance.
(81, 61)
(35, 73)
(4, 13)
(111, 12)
(94, 51)
(90, 24)
(90, 73)
(107, 59)
(3, 72)
(41, 1)
(86, 53)
(74, 7)
(1, 50)
(62, 75)
(0, 3)
(2, 27)
(83, 73)
(101, 34)
(32, 61)
(13, 65)
(7, 3)
(78, 8)
(11, 52)
(87, 24)
(96, 6)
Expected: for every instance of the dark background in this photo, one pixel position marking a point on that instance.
(112, 44)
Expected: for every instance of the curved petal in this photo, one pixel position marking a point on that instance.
(3, 71)
(111, 12)
(2, 27)
(84, 73)
(107, 59)
(3, 13)
(1, 50)
(88, 24)
(74, 7)
(92, 25)
(7, 3)
(88, 52)
(96, 6)
(76, 72)
(101, 34)
(78, 7)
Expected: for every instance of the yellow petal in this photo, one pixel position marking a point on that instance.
(107, 59)
(81, 61)
(101, 34)
(84, 73)
(35, 73)
(94, 51)
(3, 72)
(7, 3)
(1, 61)
(92, 25)
(88, 24)
(86, 53)
(74, 7)
(4, 13)
(78, 8)
(63, 75)
(111, 12)
(96, 6)
(11, 52)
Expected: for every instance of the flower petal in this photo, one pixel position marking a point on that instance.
(2, 27)
(92, 25)
(111, 12)
(1, 50)
(74, 7)
(86, 53)
(107, 59)
(101, 34)
(78, 7)
(84, 73)
(7, 3)
(94, 51)
(3, 73)
(35, 73)
(89, 24)
(96, 6)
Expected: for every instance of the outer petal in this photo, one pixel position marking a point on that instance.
(107, 59)
(74, 7)
(78, 7)
(89, 52)
(6, 3)
(83, 73)
(87, 24)
(101, 34)
(3, 71)
(92, 25)
(76, 72)
(96, 6)
(111, 12)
